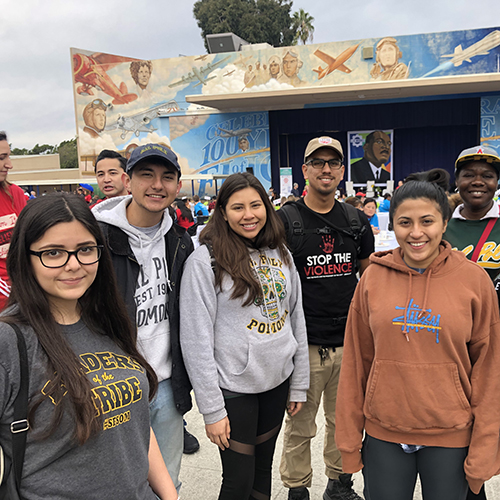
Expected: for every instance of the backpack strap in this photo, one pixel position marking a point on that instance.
(358, 229)
(294, 225)
(212, 258)
(296, 229)
(19, 427)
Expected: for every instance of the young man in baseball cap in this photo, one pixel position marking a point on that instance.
(148, 251)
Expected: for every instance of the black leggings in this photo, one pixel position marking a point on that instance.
(391, 474)
(255, 421)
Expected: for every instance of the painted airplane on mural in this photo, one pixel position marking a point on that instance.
(199, 74)
(481, 48)
(232, 133)
(138, 122)
(334, 63)
(90, 71)
(242, 61)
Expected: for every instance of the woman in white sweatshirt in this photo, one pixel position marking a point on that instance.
(243, 334)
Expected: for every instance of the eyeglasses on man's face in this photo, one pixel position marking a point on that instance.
(56, 257)
(319, 163)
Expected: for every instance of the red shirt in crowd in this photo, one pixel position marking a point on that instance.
(10, 208)
(182, 221)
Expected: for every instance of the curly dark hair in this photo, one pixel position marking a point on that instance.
(135, 66)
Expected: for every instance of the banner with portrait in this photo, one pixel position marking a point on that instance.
(370, 157)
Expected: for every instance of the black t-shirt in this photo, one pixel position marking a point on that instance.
(327, 267)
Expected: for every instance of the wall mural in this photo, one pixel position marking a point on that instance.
(370, 157)
(122, 102)
(490, 122)
(222, 144)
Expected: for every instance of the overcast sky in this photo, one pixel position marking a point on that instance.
(36, 95)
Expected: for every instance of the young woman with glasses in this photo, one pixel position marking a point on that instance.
(89, 433)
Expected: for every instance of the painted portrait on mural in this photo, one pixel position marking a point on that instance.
(257, 75)
(94, 116)
(291, 65)
(141, 72)
(249, 79)
(274, 67)
(243, 143)
(260, 74)
(375, 164)
(387, 65)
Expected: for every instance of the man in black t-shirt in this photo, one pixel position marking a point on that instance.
(327, 260)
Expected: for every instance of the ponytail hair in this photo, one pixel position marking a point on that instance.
(429, 185)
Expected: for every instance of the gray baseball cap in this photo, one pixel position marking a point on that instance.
(478, 153)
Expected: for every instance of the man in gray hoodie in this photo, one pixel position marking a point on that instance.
(148, 251)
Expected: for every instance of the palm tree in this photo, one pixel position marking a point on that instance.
(302, 23)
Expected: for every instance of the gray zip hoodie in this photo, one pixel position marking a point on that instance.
(151, 297)
(249, 349)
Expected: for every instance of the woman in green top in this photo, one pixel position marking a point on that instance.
(473, 227)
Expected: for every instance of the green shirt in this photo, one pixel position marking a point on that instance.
(464, 235)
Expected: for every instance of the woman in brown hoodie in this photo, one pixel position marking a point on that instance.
(421, 365)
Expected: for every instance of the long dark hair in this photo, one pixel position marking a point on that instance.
(231, 250)
(102, 310)
(185, 212)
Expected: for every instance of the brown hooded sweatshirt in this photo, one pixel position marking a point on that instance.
(421, 361)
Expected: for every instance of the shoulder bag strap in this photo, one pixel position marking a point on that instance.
(482, 239)
(19, 427)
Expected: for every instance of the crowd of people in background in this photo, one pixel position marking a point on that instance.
(264, 307)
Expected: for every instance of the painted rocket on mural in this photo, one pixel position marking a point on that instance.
(333, 63)
(481, 48)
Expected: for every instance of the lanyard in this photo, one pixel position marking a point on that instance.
(482, 239)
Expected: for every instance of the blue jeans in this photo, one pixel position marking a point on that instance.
(167, 425)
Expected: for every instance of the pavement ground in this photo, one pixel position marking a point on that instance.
(201, 472)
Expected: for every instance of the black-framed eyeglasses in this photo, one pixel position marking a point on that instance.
(55, 257)
(319, 163)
